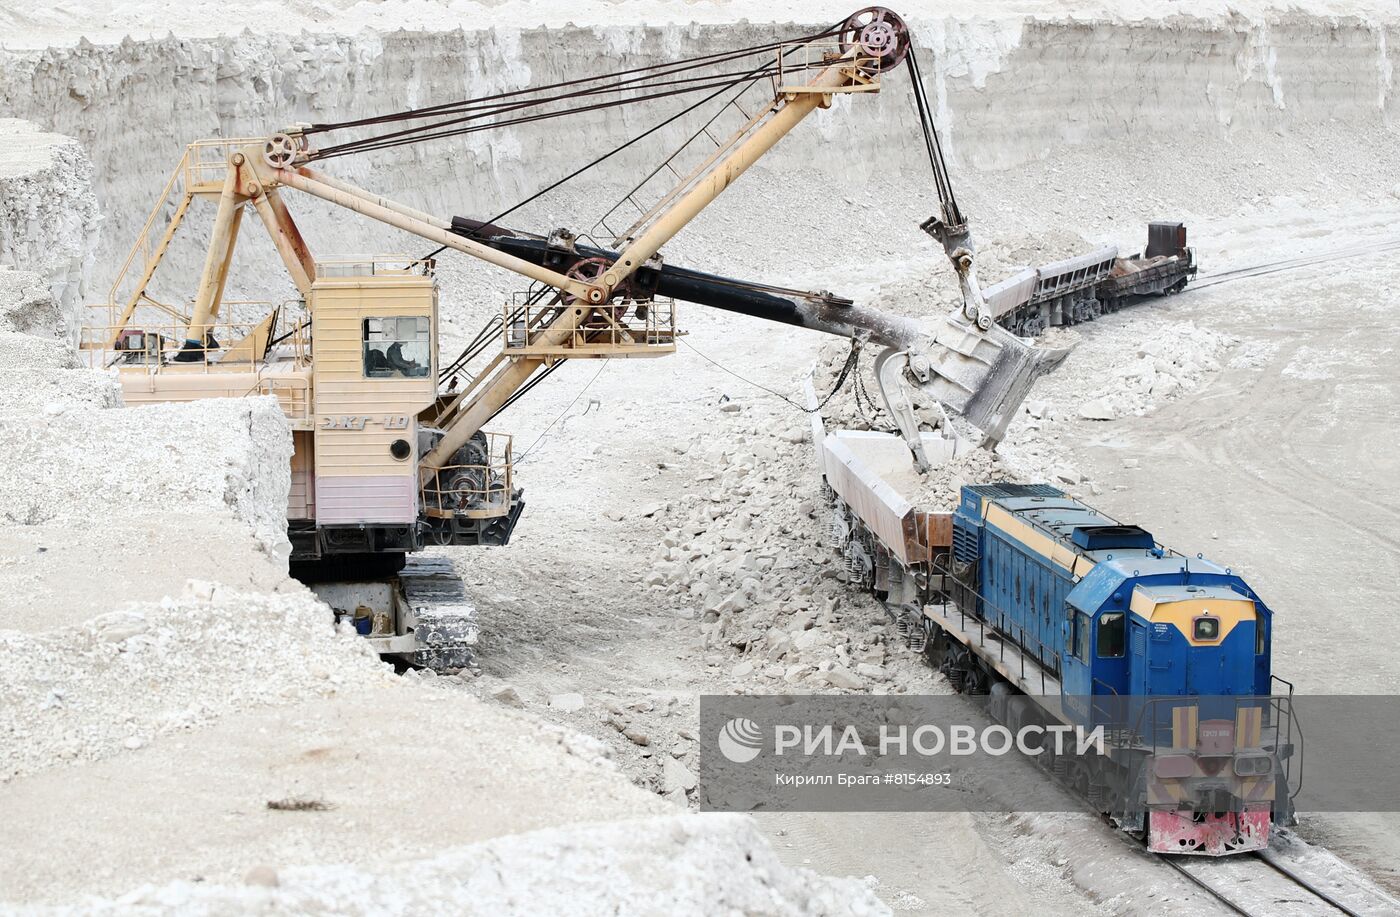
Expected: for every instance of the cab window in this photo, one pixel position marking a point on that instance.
(1260, 636)
(397, 347)
(1080, 636)
(1111, 635)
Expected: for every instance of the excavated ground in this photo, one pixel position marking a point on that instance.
(673, 544)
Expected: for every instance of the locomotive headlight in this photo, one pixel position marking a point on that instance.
(1205, 629)
(1253, 765)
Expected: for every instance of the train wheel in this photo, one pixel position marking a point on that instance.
(1079, 778)
(955, 668)
(977, 680)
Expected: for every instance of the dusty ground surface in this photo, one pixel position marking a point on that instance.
(673, 544)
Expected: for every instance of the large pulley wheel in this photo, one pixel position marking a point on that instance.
(280, 151)
(878, 33)
(589, 271)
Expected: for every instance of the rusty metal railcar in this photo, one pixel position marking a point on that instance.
(1080, 289)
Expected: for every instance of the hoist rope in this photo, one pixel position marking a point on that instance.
(445, 120)
(752, 77)
(942, 183)
(451, 107)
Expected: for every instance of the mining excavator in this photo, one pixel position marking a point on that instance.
(389, 456)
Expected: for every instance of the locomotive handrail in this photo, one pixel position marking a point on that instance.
(1112, 691)
(981, 621)
(1294, 724)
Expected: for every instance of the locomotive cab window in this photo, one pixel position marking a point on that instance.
(397, 347)
(1260, 637)
(1080, 637)
(1111, 634)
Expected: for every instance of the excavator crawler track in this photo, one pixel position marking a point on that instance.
(446, 625)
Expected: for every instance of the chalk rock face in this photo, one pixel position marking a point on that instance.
(74, 455)
(48, 217)
(85, 460)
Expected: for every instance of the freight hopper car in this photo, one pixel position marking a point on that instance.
(1082, 288)
(1065, 616)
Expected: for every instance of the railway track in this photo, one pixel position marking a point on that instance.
(1291, 264)
(1263, 884)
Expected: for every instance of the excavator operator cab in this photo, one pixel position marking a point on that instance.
(374, 323)
(397, 347)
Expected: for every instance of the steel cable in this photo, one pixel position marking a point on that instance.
(475, 109)
(439, 129)
(670, 66)
(943, 185)
(441, 132)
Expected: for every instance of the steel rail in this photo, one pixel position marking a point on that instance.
(1265, 856)
(1290, 264)
(1211, 890)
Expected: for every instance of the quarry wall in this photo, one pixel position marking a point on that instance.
(48, 219)
(1008, 92)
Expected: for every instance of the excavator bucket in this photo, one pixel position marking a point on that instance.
(982, 375)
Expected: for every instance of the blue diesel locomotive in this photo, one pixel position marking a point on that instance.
(1066, 615)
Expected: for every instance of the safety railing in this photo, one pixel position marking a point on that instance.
(620, 327)
(205, 164)
(481, 489)
(376, 266)
(236, 344)
(201, 170)
(1044, 660)
(1152, 717)
(292, 395)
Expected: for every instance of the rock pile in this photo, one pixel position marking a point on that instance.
(118, 680)
(747, 557)
(938, 490)
(1174, 358)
